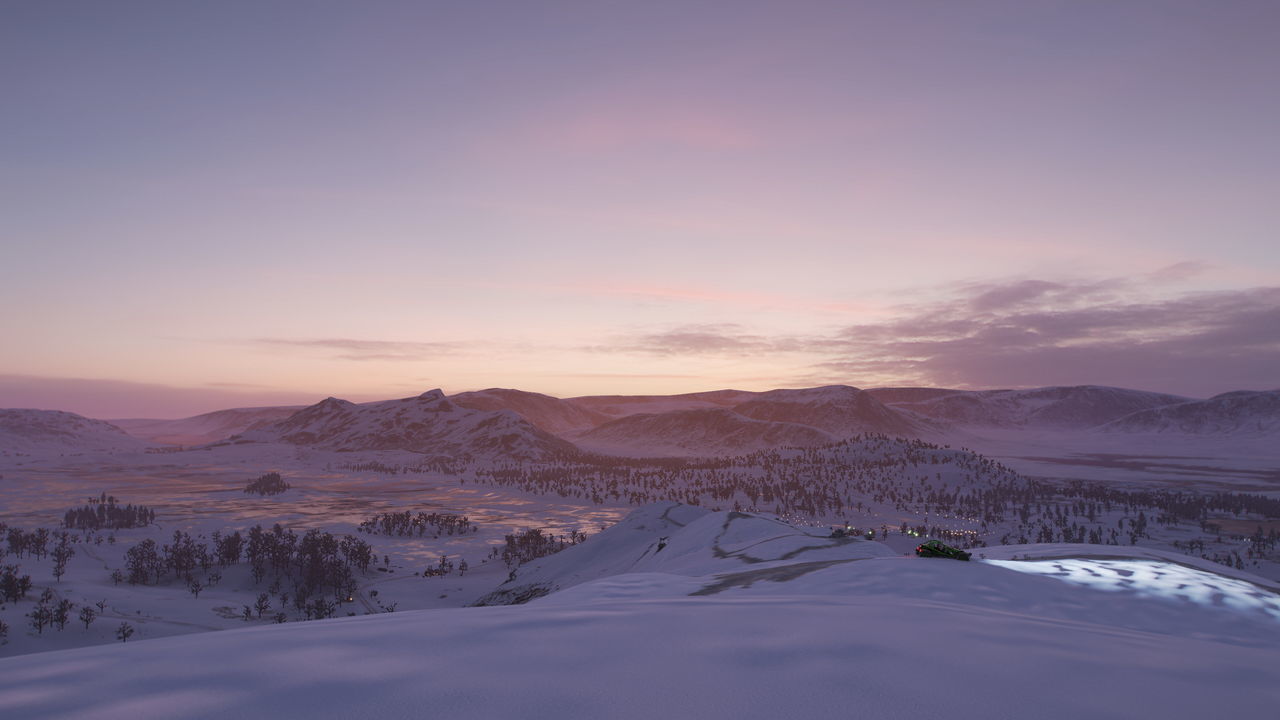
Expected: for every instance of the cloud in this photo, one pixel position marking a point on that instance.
(1010, 295)
(623, 376)
(1179, 271)
(709, 295)
(351, 349)
(713, 339)
(1046, 334)
(1026, 332)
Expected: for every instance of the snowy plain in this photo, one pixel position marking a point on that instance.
(762, 632)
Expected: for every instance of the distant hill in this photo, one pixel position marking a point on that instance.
(551, 414)
(732, 422)
(206, 428)
(1243, 412)
(838, 410)
(39, 431)
(1058, 408)
(707, 431)
(616, 406)
(428, 423)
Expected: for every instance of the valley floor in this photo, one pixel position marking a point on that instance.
(200, 491)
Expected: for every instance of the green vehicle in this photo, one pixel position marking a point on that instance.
(934, 548)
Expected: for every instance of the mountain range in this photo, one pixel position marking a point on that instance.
(429, 423)
(524, 425)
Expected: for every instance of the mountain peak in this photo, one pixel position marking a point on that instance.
(333, 402)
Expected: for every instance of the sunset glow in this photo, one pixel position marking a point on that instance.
(370, 200)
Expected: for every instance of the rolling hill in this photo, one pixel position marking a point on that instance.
(205, 428)
(42, 431)
(1056, 408)
(1243, 412)
(551, 414)
(429, 423)
(707, 431)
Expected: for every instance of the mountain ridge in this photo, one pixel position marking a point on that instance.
(428, 423)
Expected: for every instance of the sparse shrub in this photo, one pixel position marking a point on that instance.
(269, 484)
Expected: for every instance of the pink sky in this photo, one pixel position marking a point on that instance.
(237, 204)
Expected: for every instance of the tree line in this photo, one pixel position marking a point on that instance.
(104, 513)
(410, 524)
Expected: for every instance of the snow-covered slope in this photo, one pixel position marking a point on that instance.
(205, 428)
(1058, 408)
(428, 423)
(547, 413)
(1243, 412)
(37, 431)
(737, 616)
(839, 410)
(703, 432)
(684, 540)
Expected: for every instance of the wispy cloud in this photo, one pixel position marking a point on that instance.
(352, 349)
(624, 376)
(714, 339)
(1025, 332)
(716, 296)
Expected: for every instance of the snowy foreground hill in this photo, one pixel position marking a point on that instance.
(678, 612)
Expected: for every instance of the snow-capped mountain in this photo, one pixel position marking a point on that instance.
(32, 431)
(1243, 412)
(1059, 408)
(551, 414)
(706, 432)
(428, 423)
(677, 612)
(205, 428)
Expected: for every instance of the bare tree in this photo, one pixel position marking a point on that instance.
(62, 552)
(62, 613)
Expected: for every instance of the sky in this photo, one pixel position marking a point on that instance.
(209, 205)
